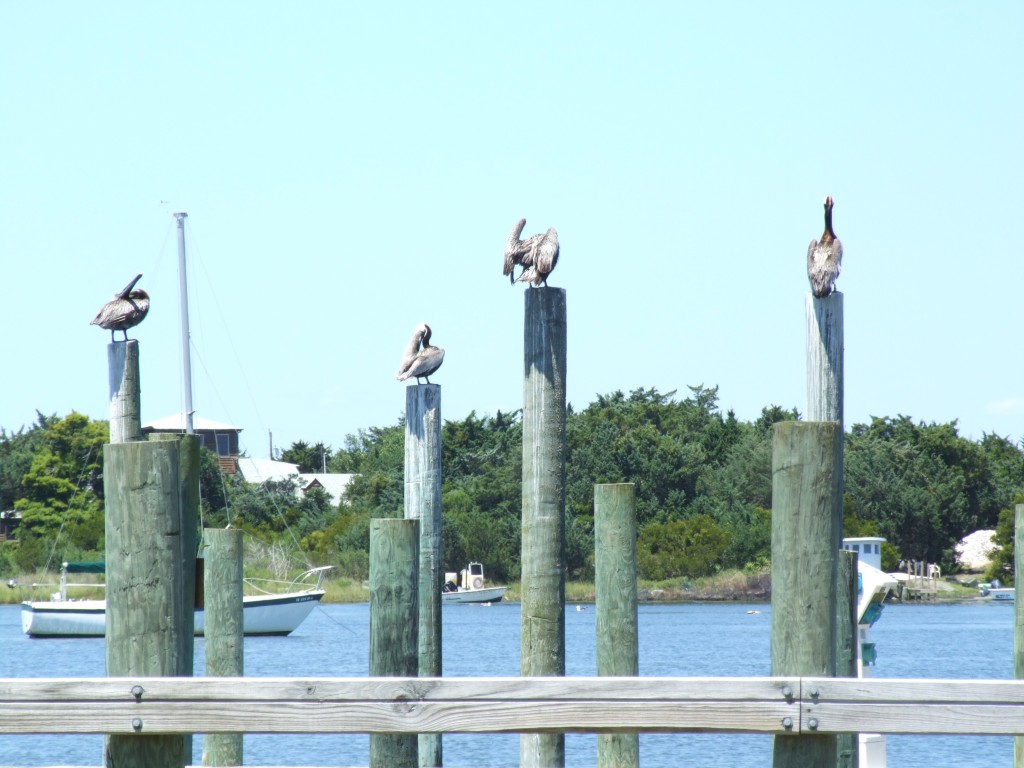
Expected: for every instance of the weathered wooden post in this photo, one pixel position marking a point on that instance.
(542, 650)
(618, 650)
(806, 530)
(123, 376)
(825, 357)
(847, 639)
(1018, 616)
(152, 501)
(222, 628)
(394, 622)
(423, 503)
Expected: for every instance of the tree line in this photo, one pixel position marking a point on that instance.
(703, 488)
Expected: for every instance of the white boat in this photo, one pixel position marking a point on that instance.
(268, 613)
(470, 587)
(996, 592)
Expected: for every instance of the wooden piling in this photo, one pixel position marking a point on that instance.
(152, 502)
(394, 614)
(123, 376)
(222, 628)
(806, 533)
(847, 640)
(618, 651)
(543, 528)
(824, 357)
(1018, 616)
(423, 503)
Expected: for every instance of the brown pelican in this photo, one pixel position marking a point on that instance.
(541, 258)
(127, 309)
(536, 254)
(420, 362)
(824, 257)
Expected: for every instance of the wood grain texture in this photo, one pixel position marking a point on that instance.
(824, 357)
(512, 705)
(423, 502)
(542, 582)
(222, 573)
(847, 639)
(152, 497)
(806, 531)
(617, 627)
(125, 391)
(394, 624)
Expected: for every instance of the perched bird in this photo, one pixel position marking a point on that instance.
(127, 309)
(541, 259)
(536, 255)
(420, 362)
(824, 257)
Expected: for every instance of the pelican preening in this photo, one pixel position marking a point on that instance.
(420, 362)
(127, 309)
(824, 257)
(537, 255)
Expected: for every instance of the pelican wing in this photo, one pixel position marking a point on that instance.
(547, 252)
(411, 350)
(512, 247)
(425, 363)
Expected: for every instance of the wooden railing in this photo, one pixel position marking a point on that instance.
(510, 705)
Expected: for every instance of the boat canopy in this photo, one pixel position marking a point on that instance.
(95, 566)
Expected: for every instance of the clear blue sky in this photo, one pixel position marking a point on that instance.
(351, 170)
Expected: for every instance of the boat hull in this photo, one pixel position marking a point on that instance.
(487, 595)
(261, 615)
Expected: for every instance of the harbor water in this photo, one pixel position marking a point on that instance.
(959, 640)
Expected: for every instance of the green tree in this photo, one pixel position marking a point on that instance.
(681, 548)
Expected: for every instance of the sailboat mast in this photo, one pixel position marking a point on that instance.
(186, 356)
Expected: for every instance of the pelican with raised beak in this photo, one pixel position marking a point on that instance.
(825, 257)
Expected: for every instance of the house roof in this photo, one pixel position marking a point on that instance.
(176, 423)
(334, 484)
(261, 470)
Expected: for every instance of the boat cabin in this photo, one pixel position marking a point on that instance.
(220, 438)
(868, 549)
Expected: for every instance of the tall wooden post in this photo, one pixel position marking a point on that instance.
(847, 640)
(806, 530)
(222, 628)
(123, 376)
(152, 502)
(543, 549)
(394, 615)
(423, 503)
(825, 357)
(618, 650)
(1018, 617)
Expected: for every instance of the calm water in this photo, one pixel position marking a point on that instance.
(955, 641)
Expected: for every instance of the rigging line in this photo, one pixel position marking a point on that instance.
(64, 519)
(231, 344)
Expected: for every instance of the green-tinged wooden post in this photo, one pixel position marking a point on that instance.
(394, 621)
(847, 639)
(423, 503)
(222, 628)
(806, 532)
(152, 502)
(123, 376)
(543, 546)
(1018, 616)
(618, 650)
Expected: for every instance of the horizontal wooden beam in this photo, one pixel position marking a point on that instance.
(510, 705)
